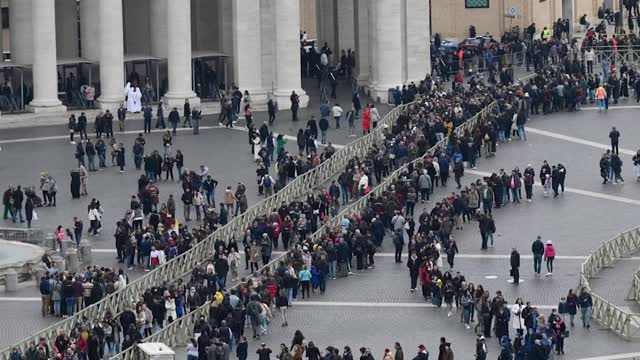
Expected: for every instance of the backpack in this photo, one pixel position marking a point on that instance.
(219, 353)
(45, 287)
(266, 182)
(252, 309)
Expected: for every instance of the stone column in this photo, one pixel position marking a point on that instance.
(346, 26)
(89, 29)
(21, 31)
(158, 28)
(179, 54)
(67, 28)
(325, 18)
(287, 46)
(387, 51)
(111, 55)
(45, 74)
(361, 19)
(247, 49)
(418, 56)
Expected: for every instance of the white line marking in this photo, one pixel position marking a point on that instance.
(614, 357)
(459, 256)
(616, 107)
(576, 191)
(576, 140)
(21, 299)
(382, 304)
(135, 132)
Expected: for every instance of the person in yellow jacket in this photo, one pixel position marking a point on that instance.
(601, 95)
(545, 34)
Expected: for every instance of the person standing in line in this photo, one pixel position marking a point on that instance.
(614, 135)
(374, 115)
(585, 302)
(537, 248)
(187, 200)
(549, 255)
(515, 266)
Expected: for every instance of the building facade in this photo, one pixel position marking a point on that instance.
(452, 18)
(186, 49)
(177, 48)
(390, 38)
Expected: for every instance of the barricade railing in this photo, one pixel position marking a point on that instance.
(182, 265)
(622, 322)
(636, 286)
(628, 54)
(180, 331)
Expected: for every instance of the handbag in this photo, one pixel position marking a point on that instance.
(35, 216)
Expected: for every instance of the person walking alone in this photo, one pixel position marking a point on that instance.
(515, 266)
(614, 135)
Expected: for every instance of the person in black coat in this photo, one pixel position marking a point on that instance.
(414, 269)
(120, 157)
(515, 266)
(28, 211)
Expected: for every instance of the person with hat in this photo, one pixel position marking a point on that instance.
(387, 355)
(481, 348)
(423, 354)
(264, 353)
(549, 255)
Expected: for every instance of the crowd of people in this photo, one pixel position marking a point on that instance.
(312, 260)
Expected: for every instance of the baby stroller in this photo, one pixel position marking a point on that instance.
(29, 192)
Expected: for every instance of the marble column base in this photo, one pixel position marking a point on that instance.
(46, 107)
(177, 100)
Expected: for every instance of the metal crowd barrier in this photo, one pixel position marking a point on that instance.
(182, 265)
(179, 332)
(627, 54)
(621, 322)
(636, 286)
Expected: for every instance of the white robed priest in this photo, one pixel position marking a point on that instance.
(133, 97)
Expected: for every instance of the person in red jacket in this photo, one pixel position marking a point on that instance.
(549, 255)
(366, 120)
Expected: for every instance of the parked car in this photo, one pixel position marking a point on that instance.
(475, 42)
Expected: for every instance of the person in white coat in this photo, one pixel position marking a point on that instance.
(363, 185)
(170, 308)
(517, 319)
(438, 247)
